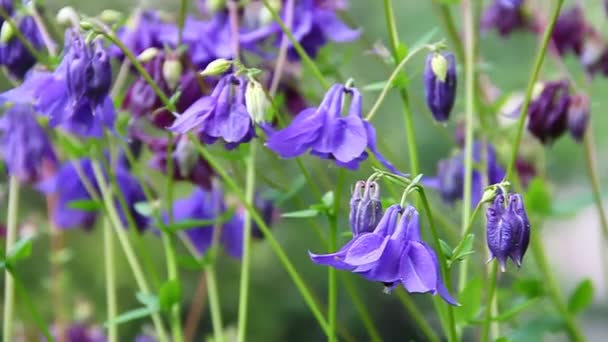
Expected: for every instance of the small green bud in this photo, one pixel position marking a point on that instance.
(110, 16)
(172, 71)
(86, 26)
(256, 102)
(439, 65)
(216, 67)
(148, 54)
(67, 15)
(6, 32)
(537, 90)
(489, 194)
(214, 6)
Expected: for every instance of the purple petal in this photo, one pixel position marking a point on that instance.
(296, 138)
(365, 249)
(334, 28)
(418, 269)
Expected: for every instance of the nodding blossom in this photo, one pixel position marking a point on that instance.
(440, 84)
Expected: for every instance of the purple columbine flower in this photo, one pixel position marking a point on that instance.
(143, 30)
(75, 96)
(328, 134)
(440, 84)
(17, 59)
(548, 113)
(25, 146)
(79, 332)
(508, 230)
(449, 180)
(365, 207)
(505, 16)
(393, 253)
(569, 31)
(221, 115)
(267, 210)
(578, 116)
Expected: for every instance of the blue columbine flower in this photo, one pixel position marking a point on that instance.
(25, 146)
(17, 59)
(328, 134)
(569, 31)
(449, 180)
(505, 16)
(440, 84)
(221, 115)
(75, 96)
(143, 30)
(508, 230)
(393, 253)
(548, 112)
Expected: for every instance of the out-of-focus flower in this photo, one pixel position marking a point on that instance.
(393, 253)
(221, 115)
(505, 16)
(365, 207)
(80, 332)
(569, 31)
(508, 230)
(548, 112)
(17, 59)
(578, 116)
(525, 170)
(142, 31)
(328, 134)
(25, 146)
(440, 84)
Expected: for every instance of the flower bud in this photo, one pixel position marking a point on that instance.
(148, 54)
(256, 102)
(214, 6)
(172, 71)
(440, 84)
(216, 67)
(6, 32)
(547, 114)
(110, 16)
(578, 116)
(365, 207)
(67, 15)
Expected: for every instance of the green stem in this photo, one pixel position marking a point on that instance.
(595, 181)
(332, 281)
(274, 244)
(450, 27)
(460, 245)
(31, 307)
(421, 322)
(11, 238)
(246, 261)
(181, 21)
(491, 288)
(366, 318)
(108, 258)
(214, 305)
(407, 114)
(126, 245)
(535, 71)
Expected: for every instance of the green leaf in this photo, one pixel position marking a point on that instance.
(376, 86)
(301, 213)
(538, 197)
(529, 287)
(466, 248)
(535, 329)
(72, 146)
(581, 297)
(328, 200)
(144, 208)
(189, 262)
(192, 223)
(170, 294)
(470, 301)
(85, 205)
(147, 299)
(401, 52)
(20, 251)
(445, 249)
(131, 316)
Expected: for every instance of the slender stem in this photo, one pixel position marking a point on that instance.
(126, 245)
(214, 305)
(196, 308)
(450, 27)
(108, 258)
(460, 245)
(31, 307)
(366, 318)
(389, 84)
(421, 322)
(332, 281)
(181, 21)
(11, 238)
(491, 289)
(407, 114)
(44, 32)
(595, 181)
(123, 73)
(246, 261)
(535, 71)
(274, 244)
(282, 57)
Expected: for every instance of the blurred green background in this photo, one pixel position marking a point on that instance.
(277, 312)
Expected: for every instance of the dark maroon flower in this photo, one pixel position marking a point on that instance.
(505, 16)
(548, 113)
(578, 116)
(569, 31)
(525, 170)
(440, 84)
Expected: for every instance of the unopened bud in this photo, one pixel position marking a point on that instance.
(256, 102)
(489, 194)
(216, 67)
(439, 65)
(148, 54)
(172, 72)
(365, 207)
(110, 16)
(214, 6)
(440, 84)
(578, 116)
(67, 15)
(6, 32)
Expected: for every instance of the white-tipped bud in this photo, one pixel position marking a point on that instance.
(216, 67)
(110, 16)
(439, 65)
(172, 72)
(256, 102)
(66, 16)
(489, 194)
(148, 54)
(6, 32)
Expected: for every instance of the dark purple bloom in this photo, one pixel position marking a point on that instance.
(569, 31)
(328, 134)
(508, 230)
(267, 210)
(221, 115)
(208, 205)
(440, 84)
(392, 253)
(548, 113)
(365, 207)
(526, 171)
(578, 116)
(25, 146)
(505, 16)
(17, 59)
(450, 174)
(80, 332)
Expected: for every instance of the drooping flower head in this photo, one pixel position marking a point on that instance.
(440, 84)
(548, 112)
(569, 31)
(505, 16)
(393, 253)
(25, 146)
(508, 229)
(365, 207)
(328, 134)
(17, 59)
